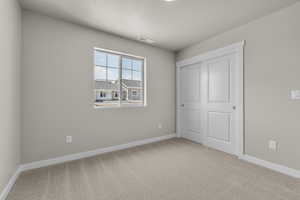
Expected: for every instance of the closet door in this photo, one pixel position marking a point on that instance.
(190, 102)
(219, 92)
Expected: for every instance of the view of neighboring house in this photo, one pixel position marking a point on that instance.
(108, 91)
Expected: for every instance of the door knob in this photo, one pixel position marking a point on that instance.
(233, 107)
(182, 105)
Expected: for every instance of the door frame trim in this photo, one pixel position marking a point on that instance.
(238, 49)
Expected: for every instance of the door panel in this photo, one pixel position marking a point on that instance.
(192, 120)
(219, 126)
(190, 87)
(219, 81)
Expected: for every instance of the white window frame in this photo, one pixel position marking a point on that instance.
(144, 78)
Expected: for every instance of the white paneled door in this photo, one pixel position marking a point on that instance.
(208, 102)
(219, 103)
(190, 101)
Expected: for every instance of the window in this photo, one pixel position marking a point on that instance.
(117, 73)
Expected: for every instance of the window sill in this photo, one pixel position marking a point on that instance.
(119, 106)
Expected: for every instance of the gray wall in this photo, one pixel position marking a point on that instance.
(10, 44)
(272, 69)
(57, 91)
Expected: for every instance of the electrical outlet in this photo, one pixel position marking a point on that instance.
(69, 139)
(273, 145)
(160, 126)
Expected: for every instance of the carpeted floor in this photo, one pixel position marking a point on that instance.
(175, 169)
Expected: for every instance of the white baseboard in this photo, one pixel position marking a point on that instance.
(10, 184)
(44, 163)
(275, 167)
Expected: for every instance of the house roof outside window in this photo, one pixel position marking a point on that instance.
(114, 85)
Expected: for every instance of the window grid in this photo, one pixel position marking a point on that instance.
(132, 70)
(108, 67)
(120, 68)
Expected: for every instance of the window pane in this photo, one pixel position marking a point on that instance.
(137, 76)
(100, 73)
(112, 74)
(137, 65)
(106, 93)
(126, 63)
(126, 74)
(113, 60)
(132, 92)
(100, 58)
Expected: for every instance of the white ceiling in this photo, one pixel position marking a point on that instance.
(172, 25)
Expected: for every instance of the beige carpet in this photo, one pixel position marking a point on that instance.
(170, 170)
